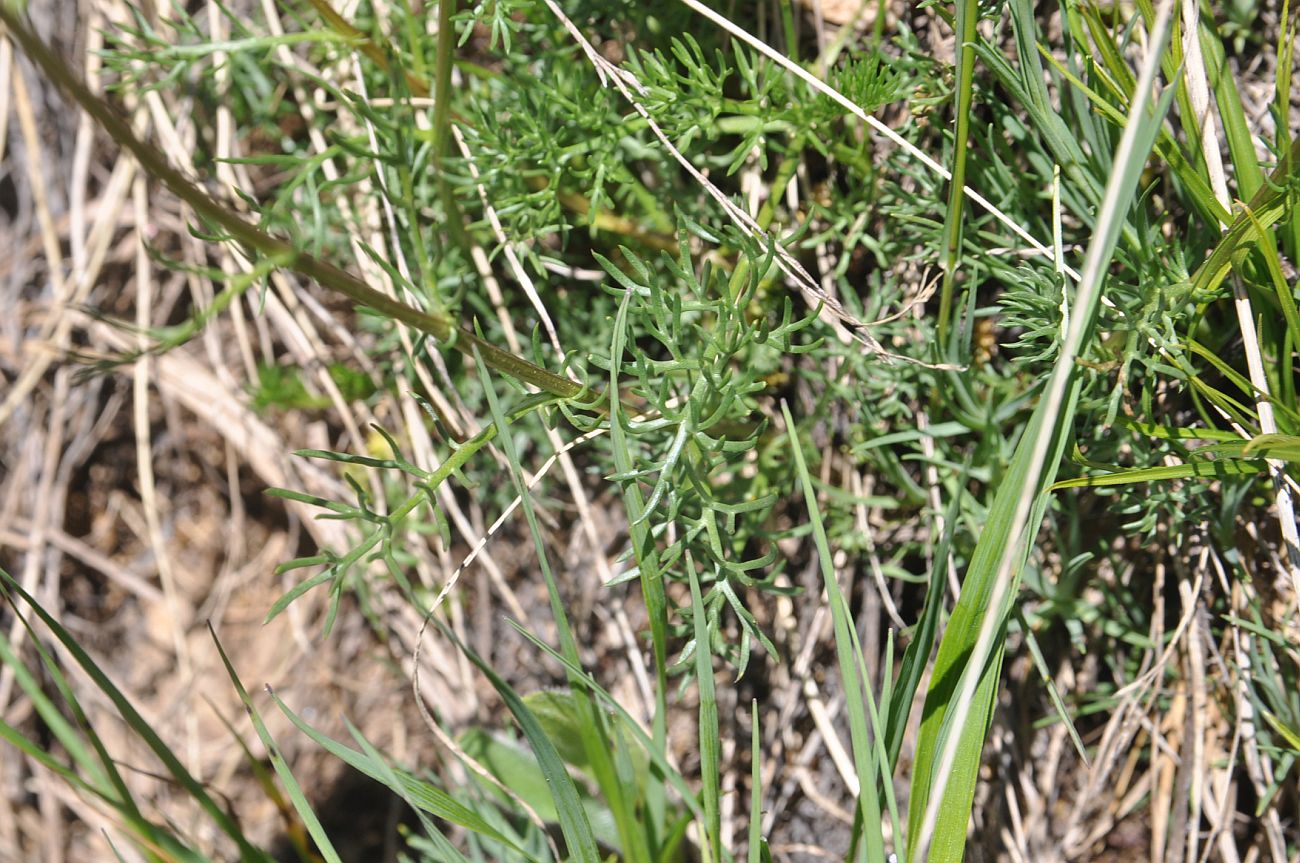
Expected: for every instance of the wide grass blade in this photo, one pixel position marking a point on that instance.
(1236, 129)
(960, 702)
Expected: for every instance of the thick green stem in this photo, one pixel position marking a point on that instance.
(442, 79)
(967, 15)
(442, 120)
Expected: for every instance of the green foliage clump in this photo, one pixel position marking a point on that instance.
(787, 346)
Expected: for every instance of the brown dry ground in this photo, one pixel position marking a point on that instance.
(132, 505)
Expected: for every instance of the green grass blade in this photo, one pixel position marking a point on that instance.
(415, 791)
(574, 825)
(1289, 734)
(1243, 383)
(391, 780)
(1236, 129)
(137, 724)
(1053, 694)
(646, 554)
(1282, 292)
(917, 655)
(854, 701)
(755, 787)
(1278, 446)
(112, 792)
(296, 796)
(967, 17)
(105, 781)
(58, 727)
(1269, 204)
(964, 681)
(1167, 147)
(881, 756)
(1217, 469)
(621, 799)
(1282, 108)
(658, 759)
(710, 771)
(1163, 432)
(1033, 85)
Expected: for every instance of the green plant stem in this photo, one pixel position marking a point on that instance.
(283, 253)
(755, 786)
(967, 15)
(964, 681)
(442, 80)
(867, 819)
(442, 120)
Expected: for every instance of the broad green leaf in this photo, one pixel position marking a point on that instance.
(558, 713)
